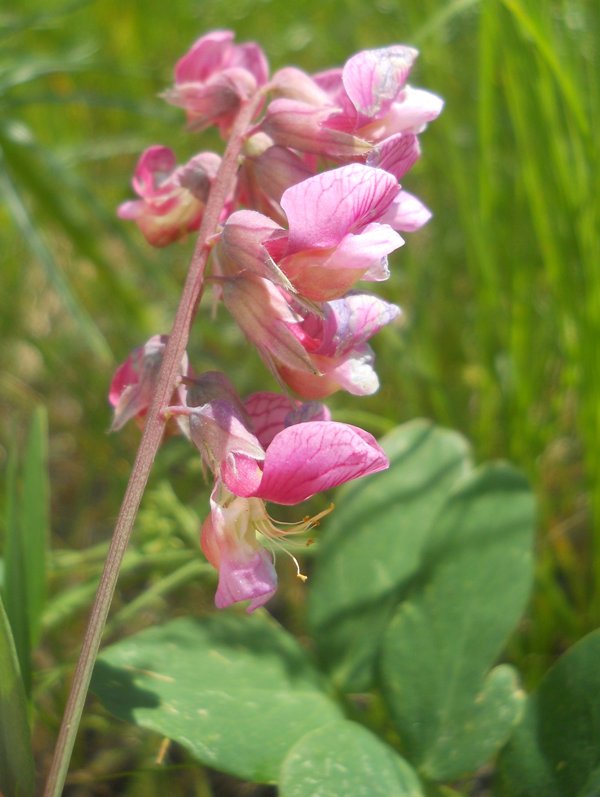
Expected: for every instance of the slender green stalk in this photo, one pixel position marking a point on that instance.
(153, 432)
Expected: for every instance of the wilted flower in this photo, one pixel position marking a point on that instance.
(134, 382)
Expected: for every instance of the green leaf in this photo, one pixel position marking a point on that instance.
(15, 580)
(373, 545)
(451, 714)
(35, 519)
(16, 758)
(555, 750)
(236, 691)
(345, 758)
(26, 538)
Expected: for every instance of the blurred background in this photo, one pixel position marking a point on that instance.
(501, 293)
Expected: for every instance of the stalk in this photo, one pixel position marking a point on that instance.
(153, 431)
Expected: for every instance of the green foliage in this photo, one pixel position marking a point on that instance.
(16, 759)
(345, 758)
(501, 294)
(451, 714)
(374, 546)
(237, 692)
(27, 531)
(555, 751)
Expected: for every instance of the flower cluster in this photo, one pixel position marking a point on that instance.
(317, 208)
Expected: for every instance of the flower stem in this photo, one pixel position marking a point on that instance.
(153, 431)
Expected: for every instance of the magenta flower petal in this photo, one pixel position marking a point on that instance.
(309, 457)
(328, 206)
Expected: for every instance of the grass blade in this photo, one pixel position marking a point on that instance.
(34, 520)
(16, 758)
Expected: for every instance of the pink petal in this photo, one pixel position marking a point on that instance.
(310, 457)
(374, 78)
(408, 213)
(328, 206)
(254, 579)
(351, 321)
(414, 110)
(268, 413)
(207, 55)
(396, 155)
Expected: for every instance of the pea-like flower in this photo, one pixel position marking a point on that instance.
(134, 382)
(172, 198)
(270, 448)
(341, 113)
(214, 76)
(340, 230)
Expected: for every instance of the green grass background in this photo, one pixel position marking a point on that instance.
(501, 290)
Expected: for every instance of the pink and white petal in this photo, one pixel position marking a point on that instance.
(253, 579)
(412, 112)
(307, 458)
(326, 207)
(361, 250)
(355, 373)
(351, 321)
(374, 78)
(268, 413)
(408, 213)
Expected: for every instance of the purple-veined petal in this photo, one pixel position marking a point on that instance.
(310, 457)
(268, 413)
(328, 206)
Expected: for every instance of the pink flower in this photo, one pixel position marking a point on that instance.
(172, 198)
(297, 461)
(314, 352)
(341, 112)
(214, 76)
(340, 231)
(337, 346)
(134, 382)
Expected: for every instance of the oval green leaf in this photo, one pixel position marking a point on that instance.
(236, 691)
(555, 750)
(344, 758)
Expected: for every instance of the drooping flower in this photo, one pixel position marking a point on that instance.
(300, 452)
(214, 76)
(336, 343)
(172, 198)
(314, 352)
(134, 383)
